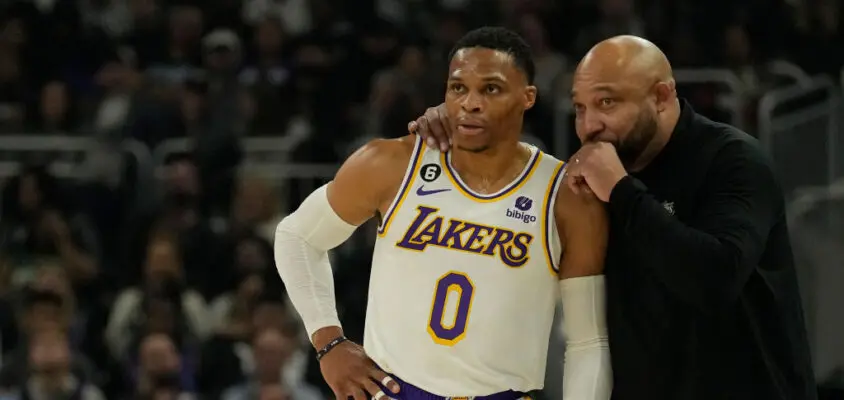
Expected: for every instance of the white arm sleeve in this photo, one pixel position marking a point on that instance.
(302, 241)
(587, 371)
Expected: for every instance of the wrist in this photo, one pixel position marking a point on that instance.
(323, 336)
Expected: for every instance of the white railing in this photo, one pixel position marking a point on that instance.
(789, 70)
(815, 218)
(773, 123)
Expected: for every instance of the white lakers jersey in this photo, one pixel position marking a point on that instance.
(464, 285)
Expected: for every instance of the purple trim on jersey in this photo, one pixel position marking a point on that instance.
(533, 159)
(549, 214)
(414, 159)
(410, 392)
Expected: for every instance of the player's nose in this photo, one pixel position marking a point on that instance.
(472, 103)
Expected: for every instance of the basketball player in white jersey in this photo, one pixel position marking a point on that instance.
(474, 247)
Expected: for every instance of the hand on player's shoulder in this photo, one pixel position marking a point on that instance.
(576, 193)
(576, 208)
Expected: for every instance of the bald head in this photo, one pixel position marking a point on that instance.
(624, 93)
(627, 58)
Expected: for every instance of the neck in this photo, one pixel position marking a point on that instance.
(490, 167)
(665, 130)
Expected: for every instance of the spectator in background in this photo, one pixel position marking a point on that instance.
(158, 304)
(54, 114)
(295, 14)
(180, 213)
(120, 83)
(401, 91)
(254, 274)
(177, 60)
(13, 90)
(739, 58)
(268, 76)
(550, 64)
(271, 351)
(617, 17)
(50, 373)
(85, 318)
(272, 392)
(216, 148)
(551, 67)
(819, 36)
(40, 311)
(160, 373)
(256, 209)
(37, 223)
(227, 356)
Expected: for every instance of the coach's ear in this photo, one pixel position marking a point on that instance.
(665, 93)
(530, 97)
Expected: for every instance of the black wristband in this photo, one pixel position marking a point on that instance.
(330, 346)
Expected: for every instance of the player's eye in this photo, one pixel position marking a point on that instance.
(457, 88)
(493, 89)
(606, 102)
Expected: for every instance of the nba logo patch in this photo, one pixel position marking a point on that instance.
(523, 203)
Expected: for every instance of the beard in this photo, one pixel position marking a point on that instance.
(633, 145)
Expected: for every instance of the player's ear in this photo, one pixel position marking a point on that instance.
(530, 97)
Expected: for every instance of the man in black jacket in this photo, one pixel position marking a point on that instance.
(702, 292)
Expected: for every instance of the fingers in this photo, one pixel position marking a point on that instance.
(444, 137)
(572, 184)
(571, 177)
(371, 388)
(439, 137)
(357, 393)
(380, 396)
(420, 127)
(433, 127)
(386, 381)
(423, 129)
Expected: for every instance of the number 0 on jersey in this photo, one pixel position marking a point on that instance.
(448, 333)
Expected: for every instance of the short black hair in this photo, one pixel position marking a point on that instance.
(503, 40)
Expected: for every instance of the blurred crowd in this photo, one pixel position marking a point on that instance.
(176, 296)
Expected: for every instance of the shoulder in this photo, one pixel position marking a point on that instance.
(737, 156)
(380, 153)
(735, 146)
(727, 144)
(373, 173)
(386, 157)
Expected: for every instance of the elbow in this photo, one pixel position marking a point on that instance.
(284, 230)
(286, 240)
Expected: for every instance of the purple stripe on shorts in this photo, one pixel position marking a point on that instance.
(410, 392)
